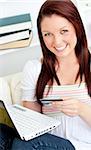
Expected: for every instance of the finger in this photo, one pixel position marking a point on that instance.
(66, 98)
(69, 111)
(62, 104)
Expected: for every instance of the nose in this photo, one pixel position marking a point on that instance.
(58, 40)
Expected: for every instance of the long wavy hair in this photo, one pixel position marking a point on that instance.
(66, 9)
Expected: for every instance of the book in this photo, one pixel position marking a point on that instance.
(15, 23)
(28, 123)
(16, 27)
(17, 44)
(14, 19)
(15, 36)
(12, 32)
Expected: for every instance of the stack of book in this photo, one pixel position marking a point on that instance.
(15, 31)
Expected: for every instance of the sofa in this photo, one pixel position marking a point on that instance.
(10, 92)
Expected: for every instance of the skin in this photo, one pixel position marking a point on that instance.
(60, 38)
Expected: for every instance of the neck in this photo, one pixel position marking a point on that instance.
(70, 59)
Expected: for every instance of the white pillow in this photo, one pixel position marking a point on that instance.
(5, 91)
(15, 86)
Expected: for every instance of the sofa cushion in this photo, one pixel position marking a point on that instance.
(5, 94)
(15, 86)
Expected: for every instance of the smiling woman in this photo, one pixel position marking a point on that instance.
(62, 73)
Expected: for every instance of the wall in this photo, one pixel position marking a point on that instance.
(14, 61)
(84, 7)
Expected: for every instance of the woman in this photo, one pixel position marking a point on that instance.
(65, 72)
(64, 46)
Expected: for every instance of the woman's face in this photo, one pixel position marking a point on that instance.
(59, 35)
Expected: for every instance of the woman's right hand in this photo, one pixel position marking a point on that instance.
(49, 108)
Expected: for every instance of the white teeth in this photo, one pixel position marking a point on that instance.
(60, 48)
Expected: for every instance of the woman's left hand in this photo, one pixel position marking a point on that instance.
(69, 106)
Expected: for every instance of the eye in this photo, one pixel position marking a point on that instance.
(47, 34)
(64, 31)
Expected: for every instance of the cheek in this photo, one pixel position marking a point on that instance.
(48, 43)
(72, 39)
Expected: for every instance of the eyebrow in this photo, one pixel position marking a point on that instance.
(59, 29)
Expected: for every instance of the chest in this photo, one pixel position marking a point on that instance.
(67, 75)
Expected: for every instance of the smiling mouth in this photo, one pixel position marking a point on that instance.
(60, 48)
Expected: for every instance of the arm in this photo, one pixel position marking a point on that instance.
(28, 85)
(85, 113)
(32, 105)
